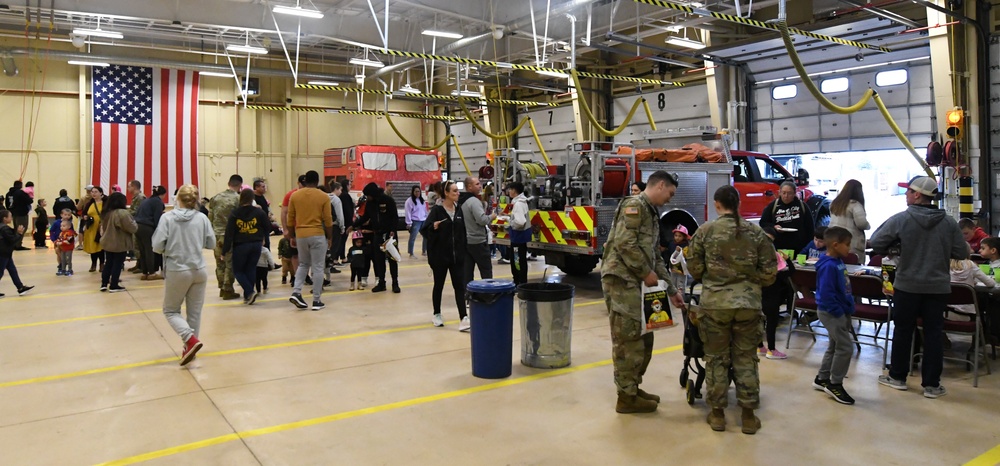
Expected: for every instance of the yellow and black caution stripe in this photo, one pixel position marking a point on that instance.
(965, 196)
(453, 98)
(418, 116)
(516, 66)
(760, 24)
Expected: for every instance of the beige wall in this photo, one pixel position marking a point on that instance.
(231, 139)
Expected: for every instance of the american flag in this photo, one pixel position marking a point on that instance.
(145, 127)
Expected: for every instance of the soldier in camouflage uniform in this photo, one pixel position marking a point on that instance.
(134, 188)
(219, 209)
(631, 259)
(733, 259)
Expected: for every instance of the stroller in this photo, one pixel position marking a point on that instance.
(694, 350)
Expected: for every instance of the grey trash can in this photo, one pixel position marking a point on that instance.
(546, 324)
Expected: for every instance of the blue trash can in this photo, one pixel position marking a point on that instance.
(492, 315)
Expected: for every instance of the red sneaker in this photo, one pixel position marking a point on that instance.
(190, 349)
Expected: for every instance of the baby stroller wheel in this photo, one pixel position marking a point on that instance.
(691, 392)
(684, 377)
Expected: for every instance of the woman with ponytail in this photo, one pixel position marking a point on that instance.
(147, 217)
(733, 259)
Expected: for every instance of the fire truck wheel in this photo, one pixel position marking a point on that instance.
(579, 266)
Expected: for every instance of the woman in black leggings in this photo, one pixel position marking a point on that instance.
(444, 232)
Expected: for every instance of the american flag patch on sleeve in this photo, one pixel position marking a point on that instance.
(631, 211)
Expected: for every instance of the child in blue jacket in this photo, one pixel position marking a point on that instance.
(836, 305)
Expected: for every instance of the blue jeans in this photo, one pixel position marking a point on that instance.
(414, 233)
(245, 257)
(7, 264)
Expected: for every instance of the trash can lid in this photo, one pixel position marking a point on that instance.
(491, 286)
(545, 292)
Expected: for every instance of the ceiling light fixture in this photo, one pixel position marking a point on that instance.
(445, 34)
(554, 74)
(685, 42)
(215, 74)
(366, 62)
(409, 89)
(88, 63)
(467, 93)
(323, 83)
(98, 33)
(297, 11)
(248, 49)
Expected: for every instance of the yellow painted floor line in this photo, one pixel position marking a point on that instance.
(230, 303)
(989, 458)
(364, 411)
(290, 344)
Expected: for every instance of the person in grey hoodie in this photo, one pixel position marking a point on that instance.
(180, 237)
(927, 239)
(477, 250)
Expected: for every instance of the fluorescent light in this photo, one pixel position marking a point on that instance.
(88, 63)
(323, 83)
(467, 93)
(247, 49)
(216, 74)
(97, 33)
(445, 34)
(554, 74)
(505, 65)
(367, 62)
(685, 42)
(297, 11)
(359, 78)
(409, 89)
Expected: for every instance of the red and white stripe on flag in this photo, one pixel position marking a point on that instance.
(145, 127)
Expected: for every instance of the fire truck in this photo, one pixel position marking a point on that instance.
(572, 205)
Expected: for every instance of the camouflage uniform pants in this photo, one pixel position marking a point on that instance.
(731, 337)
(631, 351)
(224, 267)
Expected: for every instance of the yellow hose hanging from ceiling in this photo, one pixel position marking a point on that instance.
(870, 94)
(538, 141)
(902, 137)
(472, 119)
(407, 141)
(593, 121)
(787, 39)
(458, 149)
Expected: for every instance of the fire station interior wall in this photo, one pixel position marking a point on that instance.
(474, 148)
(801, 125)
(231, 139)
(556, 128)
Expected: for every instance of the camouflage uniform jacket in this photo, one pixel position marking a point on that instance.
(136, 201)
(630, 252)
(220, 208)
(732, 269)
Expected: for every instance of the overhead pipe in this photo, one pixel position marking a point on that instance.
(894, 17)
(159, 62)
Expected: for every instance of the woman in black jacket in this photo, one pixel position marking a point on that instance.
(245, 232)
(791, 219)
(444, 232)
(147, 218)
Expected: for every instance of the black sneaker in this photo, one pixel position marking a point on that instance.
(395, 287)
(24, 290)
(104, 288)
(334, 270)
(820, 384)
(2, 295)
(116, 289)
(326, 283)
(309, 281)
(379, 288)
(284, 280)
(297, 300)
(317, 305)
(838, 393)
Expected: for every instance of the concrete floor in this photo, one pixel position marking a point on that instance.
(89, 377)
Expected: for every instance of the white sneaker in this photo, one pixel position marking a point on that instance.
(437, 320)
(464, 326)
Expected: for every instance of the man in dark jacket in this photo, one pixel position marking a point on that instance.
(927, 239)
(19, 205)
(380, 217)
(63, 202)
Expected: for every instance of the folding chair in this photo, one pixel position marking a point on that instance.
(870, 288)
(963, 294)
(803, 283)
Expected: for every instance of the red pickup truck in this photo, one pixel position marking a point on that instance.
(757, 177)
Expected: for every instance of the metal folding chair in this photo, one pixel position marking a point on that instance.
(962, 294)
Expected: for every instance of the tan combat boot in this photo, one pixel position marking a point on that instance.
(648, 396)
(717, 419)
(751, 423)
(628, 404)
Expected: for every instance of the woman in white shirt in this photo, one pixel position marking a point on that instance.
(848, 211)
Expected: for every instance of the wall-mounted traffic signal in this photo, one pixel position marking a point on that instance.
(956, 120)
